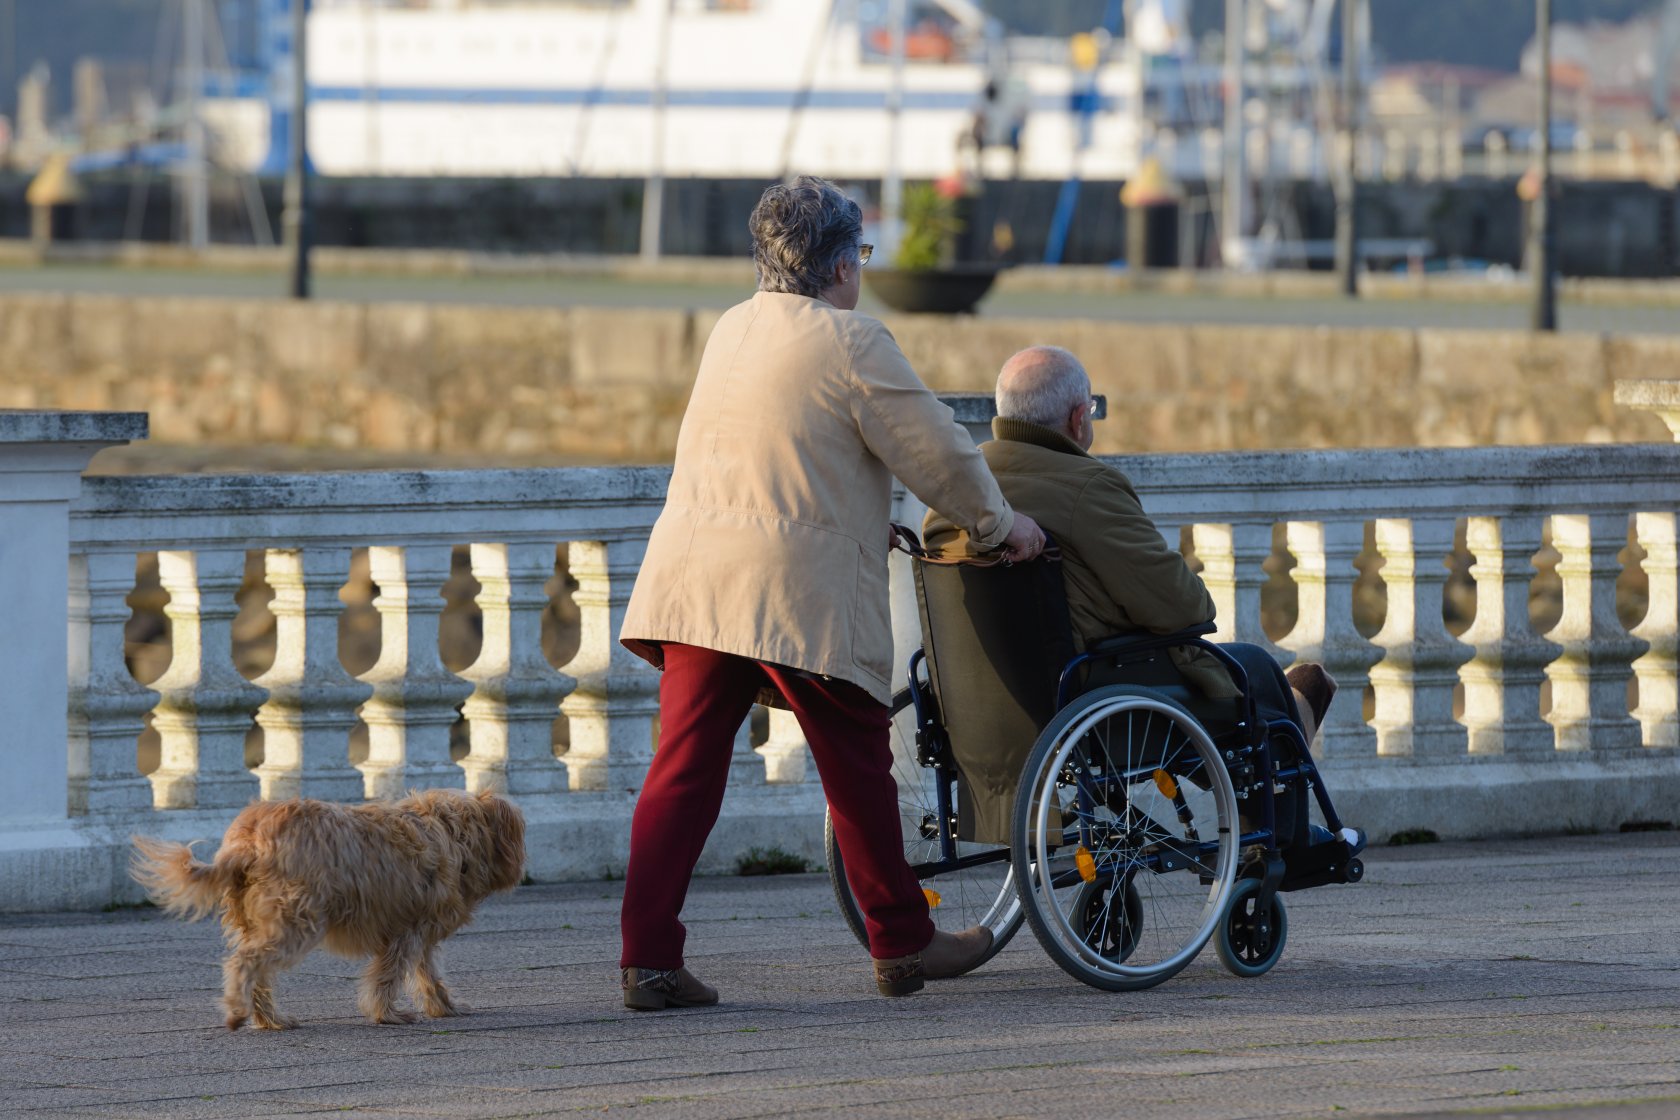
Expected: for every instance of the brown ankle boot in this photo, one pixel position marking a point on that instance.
(655, 989)
(947, 955)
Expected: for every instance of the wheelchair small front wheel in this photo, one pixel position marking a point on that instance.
(1124, 838)
(979, 893)
(1249, 942)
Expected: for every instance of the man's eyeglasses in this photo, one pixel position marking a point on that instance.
(1091, 406)
(865, 251)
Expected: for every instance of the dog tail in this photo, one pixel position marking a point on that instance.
(183, 886)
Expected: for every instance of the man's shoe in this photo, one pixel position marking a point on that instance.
(1319, 687)
(655, 989)
(947, 955)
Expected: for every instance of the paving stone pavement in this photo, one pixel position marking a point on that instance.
(1521, 979)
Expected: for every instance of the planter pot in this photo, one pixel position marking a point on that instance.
(938, 291)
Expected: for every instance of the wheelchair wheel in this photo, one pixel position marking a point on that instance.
(1244, 946)
(981, 895)
(1109, 926)
(1125, 808)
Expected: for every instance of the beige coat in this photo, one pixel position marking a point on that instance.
(1120, 574)
(774, 538)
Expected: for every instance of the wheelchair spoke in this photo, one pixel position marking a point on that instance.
(1152, 818)
(974, 885)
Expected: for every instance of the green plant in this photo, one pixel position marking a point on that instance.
(1413, 836)
(771, 861)
(930, 224)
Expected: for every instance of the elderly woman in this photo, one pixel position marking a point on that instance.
(766, 576)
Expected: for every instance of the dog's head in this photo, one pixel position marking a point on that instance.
(487, 831)
(506, 825)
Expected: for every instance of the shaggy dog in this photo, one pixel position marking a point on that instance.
(386, 879)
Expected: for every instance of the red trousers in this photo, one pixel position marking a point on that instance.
(703, 698)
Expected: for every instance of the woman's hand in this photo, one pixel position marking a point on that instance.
(1025, 540)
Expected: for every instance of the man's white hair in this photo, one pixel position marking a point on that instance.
(1042, 385)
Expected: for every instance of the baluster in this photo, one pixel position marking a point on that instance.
(1231, 557)
(1324, 630)
(516, 694)
(787, 757)
(107, 704)
(1502, 682)
(312, 700)
(617, 695)
(746, 765)
(1589, 679)
(414, 695)
(1659, 698)
(1415, 679)
(207, 704)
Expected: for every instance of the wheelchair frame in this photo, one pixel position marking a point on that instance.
(1250, 941)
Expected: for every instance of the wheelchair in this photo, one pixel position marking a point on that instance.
(1097, 796)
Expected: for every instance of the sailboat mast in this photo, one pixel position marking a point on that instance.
(1233, 243)
(653, 196)
(892, 181)
(195, 176)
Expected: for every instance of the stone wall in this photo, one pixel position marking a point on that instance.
(609, 385)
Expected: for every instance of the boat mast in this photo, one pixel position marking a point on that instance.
(195, 186)
(653, 195)
(1233, 243)
(892, 181)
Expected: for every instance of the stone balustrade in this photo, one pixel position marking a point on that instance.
(1496, 730)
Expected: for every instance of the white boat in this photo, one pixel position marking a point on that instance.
(749, 89)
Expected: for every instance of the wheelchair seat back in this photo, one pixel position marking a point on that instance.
(995, 639)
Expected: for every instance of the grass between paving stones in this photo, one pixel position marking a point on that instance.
(771, 861)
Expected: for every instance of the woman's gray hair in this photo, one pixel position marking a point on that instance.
(1042, 385)
(800, 231)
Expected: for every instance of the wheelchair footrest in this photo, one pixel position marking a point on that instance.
(1331, 862)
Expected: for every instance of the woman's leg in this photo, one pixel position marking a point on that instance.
(849, 735)
(703, 698)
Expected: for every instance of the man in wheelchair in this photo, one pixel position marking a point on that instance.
(1119, 575)
(1084, 760)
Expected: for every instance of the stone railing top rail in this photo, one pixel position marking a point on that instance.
(19, 425)
(250, 510)
(1407, 482)
(612, 502)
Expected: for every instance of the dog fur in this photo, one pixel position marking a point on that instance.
(385, 879)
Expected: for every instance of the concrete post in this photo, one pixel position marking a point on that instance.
(42, 456)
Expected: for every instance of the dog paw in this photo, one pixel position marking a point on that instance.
(396, 1016)
(276, 1023)
(445, 1010)
(235, 1021)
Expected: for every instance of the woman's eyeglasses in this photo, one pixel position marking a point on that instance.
(865, 251)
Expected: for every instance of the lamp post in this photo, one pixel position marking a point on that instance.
(1540, 216)
(295, 220)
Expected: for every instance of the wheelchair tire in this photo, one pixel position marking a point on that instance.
(1124, 784)
(983, 895)
(1234, 940)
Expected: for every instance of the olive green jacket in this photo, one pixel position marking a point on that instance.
(1120, 573)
